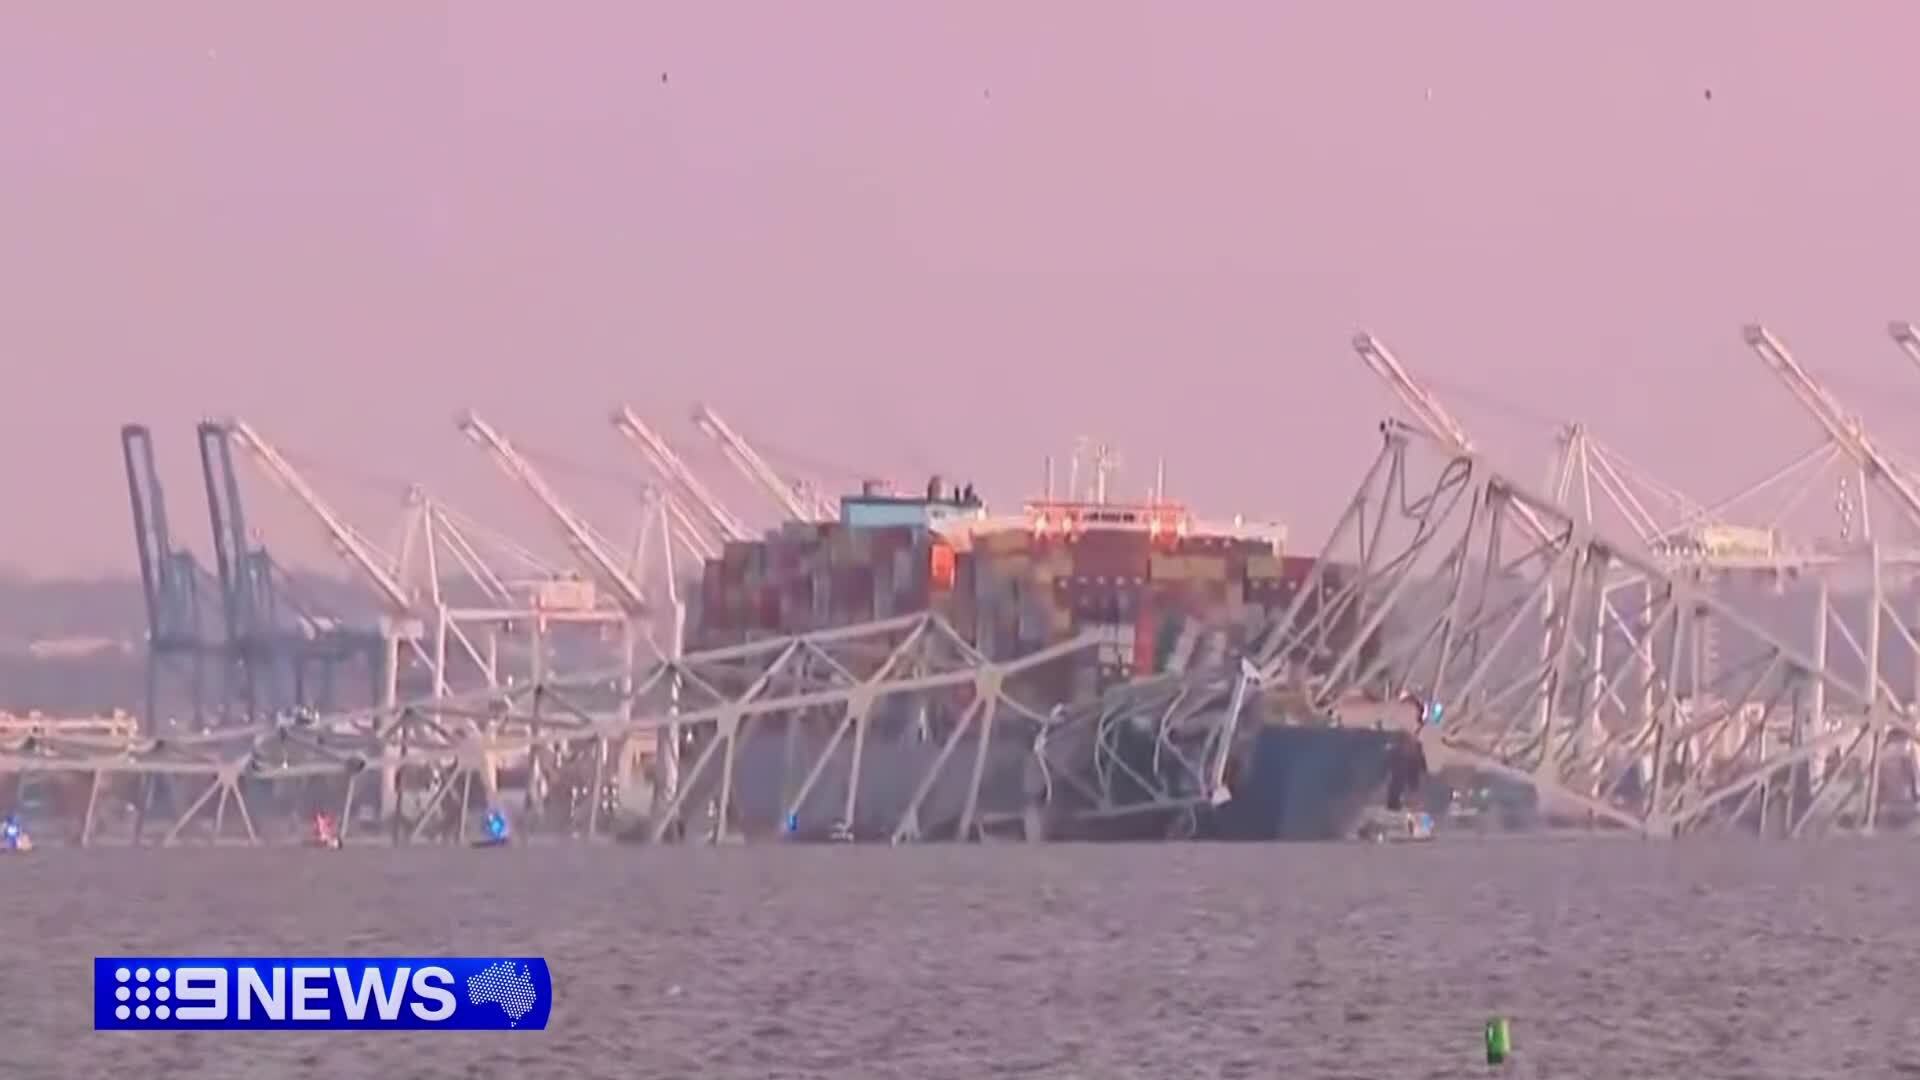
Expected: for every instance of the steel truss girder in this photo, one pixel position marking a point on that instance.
(1153, 748)
(907, 680)
(1571, 663)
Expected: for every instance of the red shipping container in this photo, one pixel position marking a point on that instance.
(941, 571)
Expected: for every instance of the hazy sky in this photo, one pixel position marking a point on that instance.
(905, 236)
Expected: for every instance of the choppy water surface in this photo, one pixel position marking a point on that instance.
(1615, 958)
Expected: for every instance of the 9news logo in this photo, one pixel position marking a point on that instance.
(298, 994)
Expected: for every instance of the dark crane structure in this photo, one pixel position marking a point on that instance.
(180, 636)
(263, 649)
(282, 652)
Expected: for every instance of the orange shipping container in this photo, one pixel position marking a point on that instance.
(940, 568)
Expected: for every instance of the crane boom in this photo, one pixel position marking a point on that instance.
(688, 531)
(358, 552)
(579, 536)
(675, 471)
(748, 460)
(1907, 336)
(1845, 428)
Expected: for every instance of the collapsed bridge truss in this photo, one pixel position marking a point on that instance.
(1620, 689)
(884, 729)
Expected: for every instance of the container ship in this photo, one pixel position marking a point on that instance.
(1163, 592)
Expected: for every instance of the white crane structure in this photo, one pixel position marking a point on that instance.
(1844, 430)
(593, 551)
(799, 500)
(596, 556)
(442, 580)
(532, 597)
(1907, 336)
(682, 482)
(409, 588)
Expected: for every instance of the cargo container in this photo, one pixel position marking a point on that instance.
(1012, 585)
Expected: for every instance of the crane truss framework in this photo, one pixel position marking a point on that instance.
(775, 731)
(450, 602)
(1549, 655)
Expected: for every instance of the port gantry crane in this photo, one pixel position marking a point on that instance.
(465, 629)
(800, 501)
(1907, 336)
(1875, 468)
(403, 619)
(172, 583)
(638, 604)
(593, 551)
(434, 536)
(681, 480)
(1844, 429)
(410, 587)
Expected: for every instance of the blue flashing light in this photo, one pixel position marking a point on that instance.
(793, 823)
(12, 830)
(1433, 713)
(496, 825)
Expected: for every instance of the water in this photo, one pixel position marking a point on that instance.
(1614, 958)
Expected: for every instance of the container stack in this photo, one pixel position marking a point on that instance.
(805, 577)
(1157, 599)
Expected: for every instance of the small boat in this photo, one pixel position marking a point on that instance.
(14, 840)
(1389, 827)
(325, 834)
(496, 827)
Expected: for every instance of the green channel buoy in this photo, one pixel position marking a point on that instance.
(1499, 1041)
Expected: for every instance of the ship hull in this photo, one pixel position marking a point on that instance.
(1288, 784)
(1317, 783)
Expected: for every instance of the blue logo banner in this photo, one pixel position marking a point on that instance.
(283, 993)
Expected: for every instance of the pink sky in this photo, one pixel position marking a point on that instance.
(878, 234)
